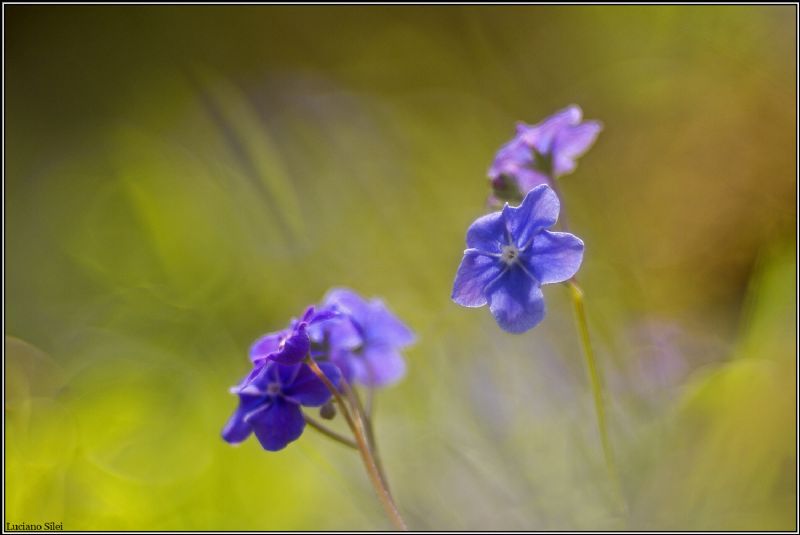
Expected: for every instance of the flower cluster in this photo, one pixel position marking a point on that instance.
(541, 153)
(349, 338)
(511, 253)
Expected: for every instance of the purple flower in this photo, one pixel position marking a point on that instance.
(365, 340)
(541, 152)
(514, 168)
(510, 255)
(269, 403)
(291, 345)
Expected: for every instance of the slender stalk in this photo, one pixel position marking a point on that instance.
(330, 433)
(582, 324)
(355, 401)
(368, 405)
(357, 427)
(594, 377)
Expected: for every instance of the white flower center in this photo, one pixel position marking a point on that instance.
(509, 254)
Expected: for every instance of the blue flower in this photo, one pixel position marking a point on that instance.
(510, 255)
(542, 152)
(291, 345)
(365, 340)
(269, 403)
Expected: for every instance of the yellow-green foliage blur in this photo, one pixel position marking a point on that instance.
(181, 180)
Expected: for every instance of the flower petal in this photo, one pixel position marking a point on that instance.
(307, 389)
(278, 424)
(538, 211)
(356, 311)
(340, 332)
(294, 349)
(542, 135)
(344, 334)
(527, 179)
(266, 345)
(283, 374)
(308, 314)
(347, 301)
(554, 256)
(369, 321)
(387, 328)
(515, 162)
(325, 314)
(516, 301)
(487, 233)
(379, 366)
(237, 430)
(474, 273)
(510, 158)
(345, 360)
(572, 142)
(247, 383)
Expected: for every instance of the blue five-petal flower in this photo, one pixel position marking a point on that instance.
(510, 255)
(269, 402)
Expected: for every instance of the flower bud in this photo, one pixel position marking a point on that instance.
(327, 411)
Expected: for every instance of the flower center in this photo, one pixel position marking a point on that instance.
(509, 254)
(273, 389)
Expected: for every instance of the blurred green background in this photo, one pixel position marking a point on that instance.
(180, 180)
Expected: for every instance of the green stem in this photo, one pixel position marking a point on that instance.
(594, 377)
(357, 427)
(576, 293)
(330, 433)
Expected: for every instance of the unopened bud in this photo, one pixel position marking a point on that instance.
(327, 411)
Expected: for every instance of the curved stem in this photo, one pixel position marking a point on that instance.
(330, 433)
(355, 401)
(576, 293)
(357, 427)
(594, 377)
